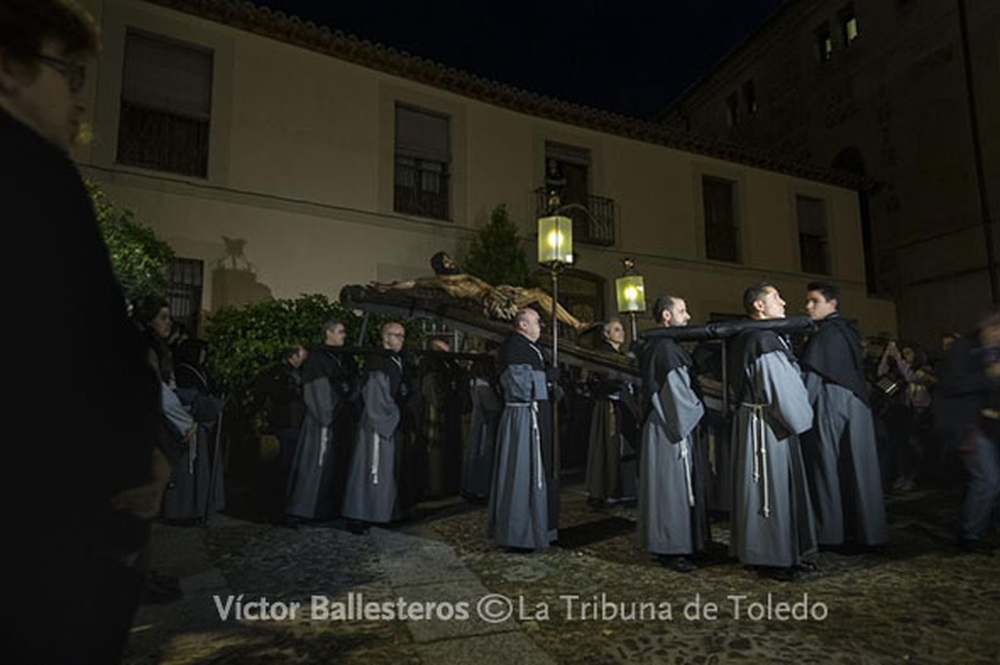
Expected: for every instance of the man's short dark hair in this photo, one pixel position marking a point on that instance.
(829, 290)
(663, 303)
(753, 294)
(26, 24)
(331, 325)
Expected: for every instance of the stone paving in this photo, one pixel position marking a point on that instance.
(919, 602)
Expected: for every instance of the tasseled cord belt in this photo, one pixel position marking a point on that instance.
(685, 447)
(536, 437)
(758, 433)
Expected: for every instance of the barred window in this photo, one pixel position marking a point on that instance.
(166, 105)
(422, 158)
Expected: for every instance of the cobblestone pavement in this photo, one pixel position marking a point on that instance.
(919, 602)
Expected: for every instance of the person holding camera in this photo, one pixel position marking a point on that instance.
(909, 379)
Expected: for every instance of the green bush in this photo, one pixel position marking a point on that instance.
(139, 259)
(495, 253)
(246, 341)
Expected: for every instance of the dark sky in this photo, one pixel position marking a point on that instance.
(627, 56)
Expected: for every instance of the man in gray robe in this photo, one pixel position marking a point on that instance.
(772, 523)
(667, 523)
(523, 507)
(372, 494)
(487, 404)
(316, 478)
(840, 454)
(611, 461)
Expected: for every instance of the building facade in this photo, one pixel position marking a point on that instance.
(906, 92)
(280, 158)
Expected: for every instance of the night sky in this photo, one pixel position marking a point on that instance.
(626, 56)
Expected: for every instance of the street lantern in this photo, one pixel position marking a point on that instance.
(630, 292)
(555, 251)
(555, 240)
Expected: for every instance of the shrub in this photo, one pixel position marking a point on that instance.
(139, 259)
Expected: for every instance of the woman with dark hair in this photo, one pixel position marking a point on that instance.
(152, 315)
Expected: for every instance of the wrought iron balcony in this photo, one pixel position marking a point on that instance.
(595, 228)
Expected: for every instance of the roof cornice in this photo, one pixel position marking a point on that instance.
(321, 39)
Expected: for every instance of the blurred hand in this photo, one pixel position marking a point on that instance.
(993, 370)
(144, 501)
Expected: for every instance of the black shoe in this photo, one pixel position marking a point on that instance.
(519, 550)
(976, 546)
(678, 564)
(357, 528)
(778, 574)
(806, 567)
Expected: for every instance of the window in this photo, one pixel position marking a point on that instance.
(824, 42)
(812, 235)
(567, 174)
(732, 110)
(166, 105)
(184, 292)
(750, 97)
(848, 24)
(423, 155)
(722, 234)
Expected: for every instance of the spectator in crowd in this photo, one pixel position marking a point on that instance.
(907, 417)
(197, 486)
(968, 413)
(90, 398)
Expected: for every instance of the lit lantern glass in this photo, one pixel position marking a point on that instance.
(631, 293)
(555, 239)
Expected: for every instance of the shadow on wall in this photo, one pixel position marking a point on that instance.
(234, 278)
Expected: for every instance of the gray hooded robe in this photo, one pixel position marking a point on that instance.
(772, 520)
(669, 492)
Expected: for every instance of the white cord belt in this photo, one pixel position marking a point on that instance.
(192, 452)
(536, 437)
(686, 459)
(375, 447)
(758, 433)
(324, 436)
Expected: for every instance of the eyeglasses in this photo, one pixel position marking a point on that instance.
(74, 72)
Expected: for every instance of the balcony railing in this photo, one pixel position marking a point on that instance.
(595, 228)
